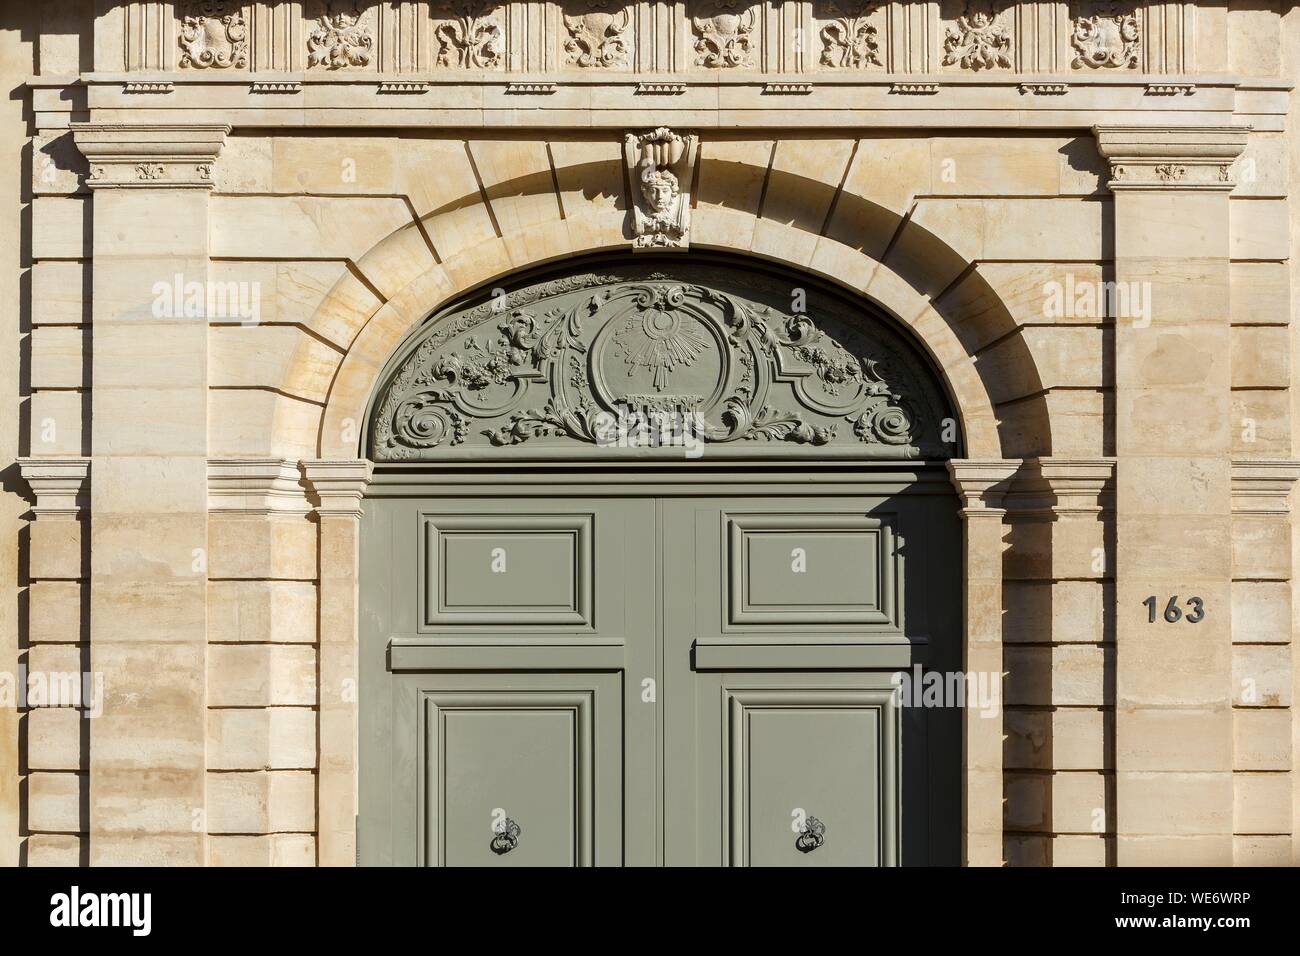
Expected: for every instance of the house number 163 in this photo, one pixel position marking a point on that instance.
(1173, 613)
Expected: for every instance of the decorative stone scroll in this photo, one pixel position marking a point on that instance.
(661, 164)
(598, 36)
(1109, 38)
(213, 35)
(636, 361)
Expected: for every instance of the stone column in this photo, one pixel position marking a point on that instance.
(1173, 444)
(981, 485)
(55, 763)
(339, 487)
(148, 531)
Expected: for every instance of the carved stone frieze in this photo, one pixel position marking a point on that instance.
(469, 36)
(850, 40)
(213, 34)
(599, 35)
(1108, 38)
(614, 362)
(661, 164)
(724, 34)
(980, 39)
(340, 39)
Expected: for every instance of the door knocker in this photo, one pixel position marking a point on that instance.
(811, 835)
(506, 837)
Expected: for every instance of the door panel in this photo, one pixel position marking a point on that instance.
(512, 635)
(680, 679)
(519, 771)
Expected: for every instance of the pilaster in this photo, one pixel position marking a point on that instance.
(149, 526)
(1173, 444)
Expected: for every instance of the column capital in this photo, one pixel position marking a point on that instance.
(1156, 158)
(61, 485)
(1263, 486)
(123, 156)
(982, 482)
(339, 484)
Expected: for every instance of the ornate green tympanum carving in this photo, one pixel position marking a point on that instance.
(643, 360)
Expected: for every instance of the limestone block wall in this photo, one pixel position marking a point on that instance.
(173, 467)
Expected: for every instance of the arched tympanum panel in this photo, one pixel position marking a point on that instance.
(640, 358)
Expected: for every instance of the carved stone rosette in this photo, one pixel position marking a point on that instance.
(340, 40)
(469, 37)
(571, 367)
(980, 40)
(661, 165)
(850, 40)
(723, 37)
(213, 34)
(1106, 39)
(598, 37)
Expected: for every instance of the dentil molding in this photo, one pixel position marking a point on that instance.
(125, 156)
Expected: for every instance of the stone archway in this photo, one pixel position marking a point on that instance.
(942, 325)
(620, 408)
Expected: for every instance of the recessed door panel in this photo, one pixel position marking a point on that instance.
(809, 777)
(507, 570)
(810, 569)
(517, 777)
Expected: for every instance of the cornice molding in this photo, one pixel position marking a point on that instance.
(982, 483)
(338, 484)
(1263, 485)
(1158, 158)
(1055, 487)
(61, 485)
(150, 156)
(256, 486)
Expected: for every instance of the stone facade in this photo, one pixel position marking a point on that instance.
(229, 216)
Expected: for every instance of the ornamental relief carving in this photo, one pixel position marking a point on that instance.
(469, 36)
(562, 367)
(850, 40)
(339, 38)
(724, 34)
(1107, 39)
(661, 164)
(598, 35)
(213, 34)
(980, 39)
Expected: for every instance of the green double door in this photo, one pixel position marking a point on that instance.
(579, 679)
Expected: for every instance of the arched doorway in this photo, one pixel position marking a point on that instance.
(648, 542)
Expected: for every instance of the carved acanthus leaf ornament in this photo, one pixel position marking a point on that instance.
(850, 40)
